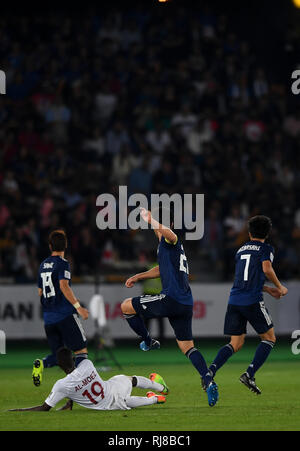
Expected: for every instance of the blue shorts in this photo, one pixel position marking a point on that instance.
(68, 332)
(237, 317)
(162, 306)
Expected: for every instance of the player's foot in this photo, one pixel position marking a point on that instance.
(160, 398)
(37, 372)
(250, 383)
(202, 380)
(212, 393)
(155, 344)
(154, 377)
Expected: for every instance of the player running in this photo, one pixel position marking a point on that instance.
(253, 266)
(60, 306)
(84, 386)
(175, 302)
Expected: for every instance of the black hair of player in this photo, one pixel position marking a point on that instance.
(58, 241)
(259, 226)
(65, 359)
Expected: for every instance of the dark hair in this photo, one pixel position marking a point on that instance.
(259, 226)
(58, 240)
(64, 358)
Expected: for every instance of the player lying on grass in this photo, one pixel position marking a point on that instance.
(175, 302)
(61, 309)
(253, 266)
(84, 386)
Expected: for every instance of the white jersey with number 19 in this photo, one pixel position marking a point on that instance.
(85, 387)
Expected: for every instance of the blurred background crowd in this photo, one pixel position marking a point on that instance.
(162, 99)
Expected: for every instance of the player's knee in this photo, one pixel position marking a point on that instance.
(237, 345)
(126, 307)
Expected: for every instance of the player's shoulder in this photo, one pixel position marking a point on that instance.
(170, 244)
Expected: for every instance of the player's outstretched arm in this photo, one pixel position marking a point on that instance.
(153, 273)
(42, 408)
(271, 276)
(158, 228)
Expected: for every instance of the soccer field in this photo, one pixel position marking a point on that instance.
(186, 409)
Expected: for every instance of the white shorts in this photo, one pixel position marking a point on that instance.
(121, 388)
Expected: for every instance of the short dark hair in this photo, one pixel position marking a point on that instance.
(58, 240)
(259, 226)
(64, 358)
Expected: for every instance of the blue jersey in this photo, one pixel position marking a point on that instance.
(173, 268)
(54, 304)
(249, 276)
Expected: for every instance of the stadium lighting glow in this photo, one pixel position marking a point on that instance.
(296, 3)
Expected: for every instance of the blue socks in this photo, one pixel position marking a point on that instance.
(199, 363)
(49, 361)
(262, 352)
(223, 355)
(138, 326)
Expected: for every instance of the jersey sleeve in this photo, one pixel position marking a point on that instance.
(168, 243)
(58, 393)
(267, 254)
(64, 271)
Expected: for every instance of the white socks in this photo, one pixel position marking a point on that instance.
(144, 382)
(139, 401)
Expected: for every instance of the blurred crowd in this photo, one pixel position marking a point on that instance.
(162, 103)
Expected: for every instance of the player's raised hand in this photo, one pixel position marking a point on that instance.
(146, 215)
(131, 281)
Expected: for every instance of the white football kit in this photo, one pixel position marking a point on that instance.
(85, 387)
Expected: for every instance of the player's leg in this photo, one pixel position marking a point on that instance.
(55, 342)
(181, 322)
(133, 313)
(259, 318)
(235, 325)
(236, 343)
(74, 337)
(140, 401)
(154, 383)
(263, 351)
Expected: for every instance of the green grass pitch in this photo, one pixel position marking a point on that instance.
(186, 409)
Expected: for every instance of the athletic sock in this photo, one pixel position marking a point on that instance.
(223, 355)
(138, 326)
(198, 361)
(144, 382)
(49, 361)
(79, 358)
(139, 401)
(262, 352)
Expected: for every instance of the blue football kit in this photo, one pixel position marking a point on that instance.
(175, 301)
(246, 302)
(62, 324)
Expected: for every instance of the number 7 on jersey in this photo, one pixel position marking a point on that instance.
(246, 270)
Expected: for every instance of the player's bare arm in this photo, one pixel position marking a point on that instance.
(153, 273)
(69, 295)
(158, 228)
(271, 276)
(274, 292)
(43, 408)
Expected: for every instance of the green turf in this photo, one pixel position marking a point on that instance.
(278, 408)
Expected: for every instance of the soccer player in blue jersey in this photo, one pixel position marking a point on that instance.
(253, 266)
(60, 307)
(175, 302)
